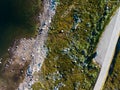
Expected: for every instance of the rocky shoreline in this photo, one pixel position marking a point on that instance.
(28, 54)
(38, 52)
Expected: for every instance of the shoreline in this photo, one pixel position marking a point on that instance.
(22, 51)
(39, 51)
(24, 26)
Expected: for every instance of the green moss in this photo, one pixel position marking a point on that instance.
(37, 86)
(69, 57)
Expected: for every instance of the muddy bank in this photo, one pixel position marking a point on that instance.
(15, 68)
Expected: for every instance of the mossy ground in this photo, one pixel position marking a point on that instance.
(71, 43)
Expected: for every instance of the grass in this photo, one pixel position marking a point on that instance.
(69, 64)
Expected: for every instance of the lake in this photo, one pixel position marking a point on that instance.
(18, 18)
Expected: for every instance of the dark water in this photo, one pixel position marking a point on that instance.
(17, 19)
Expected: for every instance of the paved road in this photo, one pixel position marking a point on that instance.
(106, 48)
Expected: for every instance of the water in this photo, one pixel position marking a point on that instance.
(15, 21)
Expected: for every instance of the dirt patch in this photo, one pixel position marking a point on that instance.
(16, 66)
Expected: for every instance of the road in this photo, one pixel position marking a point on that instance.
(106, 48)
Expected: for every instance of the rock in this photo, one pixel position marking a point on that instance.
(62, 31)
(8, 49)
(23, 59)
(16, 46)
(85, 30)
(88, 24)
(39, 64)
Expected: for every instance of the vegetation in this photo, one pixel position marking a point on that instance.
(73, 35)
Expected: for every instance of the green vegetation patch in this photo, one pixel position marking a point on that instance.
(71, 43)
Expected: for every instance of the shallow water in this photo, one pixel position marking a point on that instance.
(15, 20)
